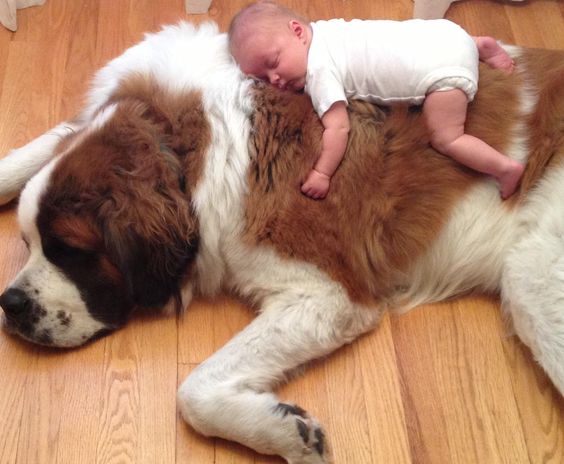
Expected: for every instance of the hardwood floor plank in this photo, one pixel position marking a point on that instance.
(66, 391)
(13, 253)
(50, 18)
(208, 325)
(17, 360)
(118, 28)
(348, 418)
(5, 39)
(381, 392)
(459, 399)
(138, 408)
(25, 112)
(495, 23)
(525, 25)
(195, 342)
(80, 64)
(540, 406)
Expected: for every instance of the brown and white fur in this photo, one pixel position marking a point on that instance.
(181, 177)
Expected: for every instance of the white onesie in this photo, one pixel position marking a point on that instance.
(386, 62)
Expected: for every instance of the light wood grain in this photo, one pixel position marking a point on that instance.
(443, 384)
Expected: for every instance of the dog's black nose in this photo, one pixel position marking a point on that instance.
(15, 303)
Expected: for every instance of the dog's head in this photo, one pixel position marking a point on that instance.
(109, 227)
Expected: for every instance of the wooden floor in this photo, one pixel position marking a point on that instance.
(442, 384)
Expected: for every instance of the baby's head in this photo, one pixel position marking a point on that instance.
(271, 42)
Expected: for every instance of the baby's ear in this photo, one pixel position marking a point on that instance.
(296, 27)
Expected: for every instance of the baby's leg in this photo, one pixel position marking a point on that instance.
(445, 115)
(493, 54)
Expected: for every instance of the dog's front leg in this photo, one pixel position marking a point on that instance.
(23, 163)
(230, 395)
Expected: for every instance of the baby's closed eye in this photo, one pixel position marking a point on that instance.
(273, 62)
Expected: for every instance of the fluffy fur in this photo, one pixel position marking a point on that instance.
(181, 177)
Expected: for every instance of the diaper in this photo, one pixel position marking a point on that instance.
(468, 86)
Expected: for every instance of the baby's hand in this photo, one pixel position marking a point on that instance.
(316, 185)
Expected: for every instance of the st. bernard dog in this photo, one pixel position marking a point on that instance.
(182, 177)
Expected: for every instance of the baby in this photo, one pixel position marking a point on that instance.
(433, 63)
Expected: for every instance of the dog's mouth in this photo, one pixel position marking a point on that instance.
(27, 332)
(44, 336)
(8, 325)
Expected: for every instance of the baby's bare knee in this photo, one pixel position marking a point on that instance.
(442, 140)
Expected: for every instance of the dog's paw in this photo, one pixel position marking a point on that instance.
(313, 447)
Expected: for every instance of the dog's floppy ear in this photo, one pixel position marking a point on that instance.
(150, 231)
(152, 238)
(152, 266)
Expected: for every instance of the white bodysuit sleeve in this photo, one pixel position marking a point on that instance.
(325, 88)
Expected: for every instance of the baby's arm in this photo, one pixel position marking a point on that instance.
(335, 137)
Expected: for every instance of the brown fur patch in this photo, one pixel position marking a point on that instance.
(76, 232)
(179, 119)
(80, 233)
(389, 198)
(494, 111)
(387, 201)
(546, 124)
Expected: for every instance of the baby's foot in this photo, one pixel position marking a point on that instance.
(494, 55)
(509, 181)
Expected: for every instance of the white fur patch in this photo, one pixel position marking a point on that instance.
(49, 288)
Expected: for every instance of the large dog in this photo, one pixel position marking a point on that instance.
(182, 176)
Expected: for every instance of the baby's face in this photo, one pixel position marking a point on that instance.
(278, 58)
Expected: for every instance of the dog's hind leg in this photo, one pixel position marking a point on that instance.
(23, 163)
(230, 395)
(533, 293)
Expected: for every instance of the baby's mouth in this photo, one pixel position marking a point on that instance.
(290, 85)
(297, 85)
